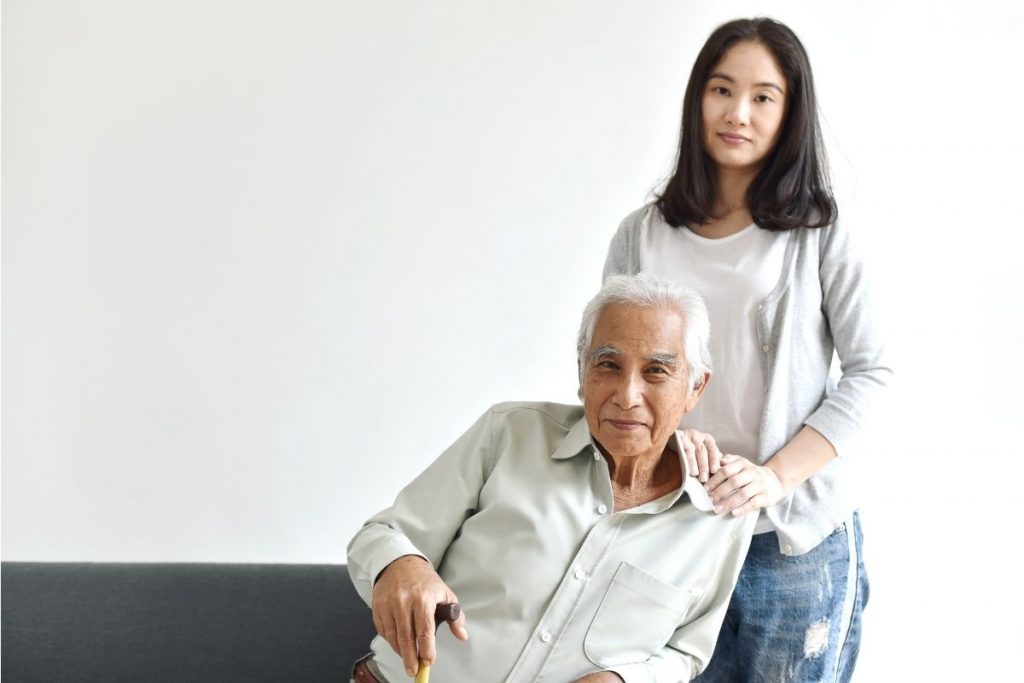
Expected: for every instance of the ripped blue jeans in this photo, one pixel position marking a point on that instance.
(794, 619)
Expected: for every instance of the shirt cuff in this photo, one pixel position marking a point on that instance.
(387, 553)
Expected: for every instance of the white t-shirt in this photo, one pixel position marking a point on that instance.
(734, 274)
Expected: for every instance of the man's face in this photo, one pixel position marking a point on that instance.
(635, 388)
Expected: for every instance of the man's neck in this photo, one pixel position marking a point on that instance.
(641, 479)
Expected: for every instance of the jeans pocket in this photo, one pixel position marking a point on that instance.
(637, 616)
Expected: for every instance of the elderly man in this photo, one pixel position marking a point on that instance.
(576, 539)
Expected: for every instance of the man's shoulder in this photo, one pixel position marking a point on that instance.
(561, 414)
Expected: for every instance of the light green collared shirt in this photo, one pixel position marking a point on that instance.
(517, 517)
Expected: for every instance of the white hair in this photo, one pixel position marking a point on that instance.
(644, 290)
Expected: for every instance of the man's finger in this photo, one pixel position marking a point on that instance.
(425, 627)
(390, 633)
(378, 624)
(407, 646)
(458, 627)
(425, 643)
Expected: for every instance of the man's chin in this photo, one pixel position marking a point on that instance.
(626, 446)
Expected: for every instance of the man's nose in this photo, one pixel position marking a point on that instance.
(629, 392)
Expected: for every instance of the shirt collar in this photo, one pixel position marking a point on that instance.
(579, 439)
(575, 441)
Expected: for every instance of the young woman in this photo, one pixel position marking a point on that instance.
(748, 219)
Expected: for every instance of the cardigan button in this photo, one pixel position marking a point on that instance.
(766, 348)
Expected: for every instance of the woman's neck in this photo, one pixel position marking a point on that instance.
(730, 213)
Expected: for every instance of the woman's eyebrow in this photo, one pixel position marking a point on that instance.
(762, 84)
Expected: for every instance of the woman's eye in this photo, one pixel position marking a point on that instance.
(720, 90)
(763, 98)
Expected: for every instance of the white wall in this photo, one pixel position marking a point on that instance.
(262, 260)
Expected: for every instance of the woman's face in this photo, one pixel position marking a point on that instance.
(743, 106)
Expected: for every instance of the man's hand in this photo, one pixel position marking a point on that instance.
(701, 453)
(403, 602)
(740, 486)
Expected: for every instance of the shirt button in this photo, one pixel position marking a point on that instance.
(766, 348)
(597, 456)
(578, 574)
(602, 508)
(545, 637)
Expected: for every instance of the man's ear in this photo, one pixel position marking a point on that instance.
(579, 373)
(697, 391)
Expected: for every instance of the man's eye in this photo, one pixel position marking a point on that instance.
(606, 364)
(657, 369)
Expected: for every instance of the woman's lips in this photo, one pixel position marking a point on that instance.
(732, 138)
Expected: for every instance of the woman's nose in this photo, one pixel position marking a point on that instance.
(739, 113)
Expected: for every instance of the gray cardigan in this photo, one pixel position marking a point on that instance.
(821, 304)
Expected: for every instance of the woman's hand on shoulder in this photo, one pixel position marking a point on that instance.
(600, 677)
(740, 486)
(701, 452)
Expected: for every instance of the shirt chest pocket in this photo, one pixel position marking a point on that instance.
(637, 616)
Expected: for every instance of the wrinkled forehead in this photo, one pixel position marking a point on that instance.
(633, 329)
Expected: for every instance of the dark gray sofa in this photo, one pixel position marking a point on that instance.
(89, 622)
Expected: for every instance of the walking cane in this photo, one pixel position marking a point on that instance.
(446, 611)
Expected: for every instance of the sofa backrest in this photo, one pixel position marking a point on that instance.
(179, 622)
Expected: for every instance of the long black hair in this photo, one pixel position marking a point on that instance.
(791, 189)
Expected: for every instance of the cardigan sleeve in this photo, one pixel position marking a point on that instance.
(624, 251)
(853, 321)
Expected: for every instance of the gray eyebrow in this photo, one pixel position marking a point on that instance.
(603, 352)
(669, 359)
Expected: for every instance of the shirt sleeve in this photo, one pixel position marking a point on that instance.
(417, 524)
(690, 648)
(848, 305)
